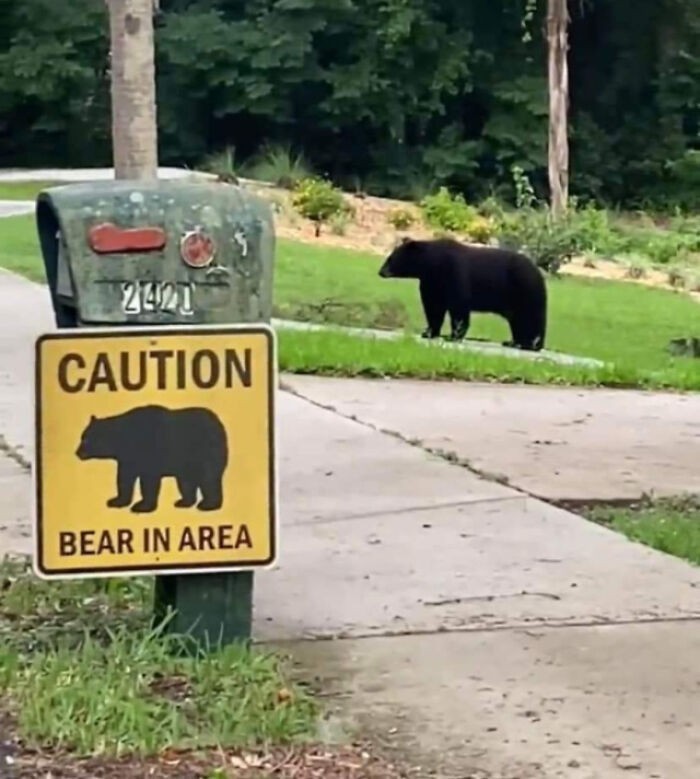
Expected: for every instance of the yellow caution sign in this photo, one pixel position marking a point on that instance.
(155, 450)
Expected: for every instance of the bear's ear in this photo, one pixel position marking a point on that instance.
(93, 418)
(405, 240)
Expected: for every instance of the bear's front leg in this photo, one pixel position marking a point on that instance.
(126, 481)
(150, 490)
(434, 309)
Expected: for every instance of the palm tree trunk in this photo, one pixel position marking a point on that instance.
(134, 133)
(557, 40)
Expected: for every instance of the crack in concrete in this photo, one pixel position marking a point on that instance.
(490, 598)
(410, 510)
(14, 454)
(526, 627)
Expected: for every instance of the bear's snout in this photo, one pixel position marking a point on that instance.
(384, 272)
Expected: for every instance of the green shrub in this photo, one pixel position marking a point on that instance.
(549, 242)
(491, 207)
(280, 166)
(447, 212)
(594, 232)
(222, 163)
(481, 229)
(663, 248)
(401, 218)
(319, 201)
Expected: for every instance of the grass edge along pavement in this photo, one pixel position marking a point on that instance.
(670, 525)
(87, 686)
(623, 324)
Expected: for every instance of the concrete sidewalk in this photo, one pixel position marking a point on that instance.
(485, 634)
(556, 443)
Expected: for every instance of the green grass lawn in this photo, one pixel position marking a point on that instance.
(23, 190)
(81, 671)
(669, 525)
(624, 324)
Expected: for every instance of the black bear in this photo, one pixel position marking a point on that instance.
(151, 442)
(460, 279)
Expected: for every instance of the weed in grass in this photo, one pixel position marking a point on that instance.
(671, 525)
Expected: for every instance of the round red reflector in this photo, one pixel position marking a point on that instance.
(197, 249)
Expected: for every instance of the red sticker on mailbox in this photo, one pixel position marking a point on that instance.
(197, 249)
(107, 238)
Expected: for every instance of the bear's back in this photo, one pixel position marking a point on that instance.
(496, 278)
(167, 435)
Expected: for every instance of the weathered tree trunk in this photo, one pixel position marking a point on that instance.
(134, 133)
(557, 41)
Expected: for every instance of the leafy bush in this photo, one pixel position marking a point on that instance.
(280, 166)
(451, 214)
(319, 201)
(401, 219)
(447, 212)
(549, 242)
(481, 229)
(491, 207)
(594, 232)
(664, 248)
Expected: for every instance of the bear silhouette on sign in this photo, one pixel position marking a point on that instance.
(152, 442)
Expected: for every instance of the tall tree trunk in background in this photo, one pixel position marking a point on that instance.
(557, 41)
(134, 133)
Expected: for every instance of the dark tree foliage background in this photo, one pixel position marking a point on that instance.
(392, 96)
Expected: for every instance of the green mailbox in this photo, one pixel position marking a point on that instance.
(138, 253)
(154, 253)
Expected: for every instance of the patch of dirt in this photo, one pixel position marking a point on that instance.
(353, 762)
(371, 231)
(614, 271)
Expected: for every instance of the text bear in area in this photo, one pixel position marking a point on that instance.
(152, 442)
(460, 279)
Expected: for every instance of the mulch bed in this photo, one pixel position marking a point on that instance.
(353, 762)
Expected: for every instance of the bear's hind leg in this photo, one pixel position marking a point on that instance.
(188, 492)
(524, 335)
(212, 494)
(150, 490)
(434, 309)
(126, 481)
(460, 319)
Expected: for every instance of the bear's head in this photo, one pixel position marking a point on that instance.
(96, 441)
(405, 262)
